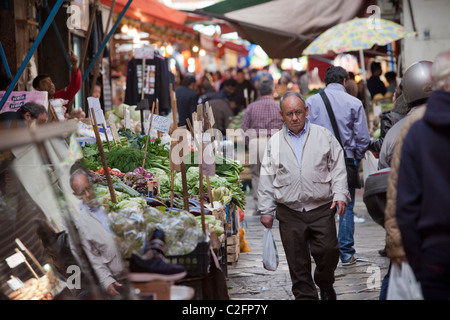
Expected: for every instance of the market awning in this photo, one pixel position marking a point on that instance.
(283, 28)
(151, 11)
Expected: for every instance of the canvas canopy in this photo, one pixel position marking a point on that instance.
(284, 28)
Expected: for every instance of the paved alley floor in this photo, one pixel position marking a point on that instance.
(248, 280)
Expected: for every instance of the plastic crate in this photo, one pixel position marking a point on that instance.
(195, 262)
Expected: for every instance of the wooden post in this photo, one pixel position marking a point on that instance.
(171, 187)
(52, 116)
(157, 113)
(208, 183)
(148, 134)
(102, 156)
(173, 98)
(184, 182)
(200, 175)
(106, 135)
(114, 133)
(28, 264)
(32, 257)
(142, 96)
(125, 117)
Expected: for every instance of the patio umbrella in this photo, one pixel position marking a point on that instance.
(357, 34)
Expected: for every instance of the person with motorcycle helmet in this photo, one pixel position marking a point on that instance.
(417, 84)
(417, 87)
(422, 189)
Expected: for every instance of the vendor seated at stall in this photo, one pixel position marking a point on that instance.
(32, 111)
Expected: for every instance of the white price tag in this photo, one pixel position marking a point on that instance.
(15, 283)
(144, 53)
(160, 123)
(127, 119)
(14, 260)
(96, 108)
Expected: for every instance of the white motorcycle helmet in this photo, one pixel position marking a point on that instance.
(417, 81)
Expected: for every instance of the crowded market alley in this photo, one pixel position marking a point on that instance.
(148, 148)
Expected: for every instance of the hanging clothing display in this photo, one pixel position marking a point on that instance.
(156, 80)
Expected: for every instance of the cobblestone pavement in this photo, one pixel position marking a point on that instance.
(248, 280)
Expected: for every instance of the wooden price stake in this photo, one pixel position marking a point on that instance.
(114, 132)
(172, 173)
(157, 113)
(106, 135)
(102, 156)
(200, 174)
(125, 117)
(27, 263)
(184, 179)
(173, 99)
(32, 257)
(209, 126)
(182, 164)
(173, 143)
(52, 116)
(148, 134)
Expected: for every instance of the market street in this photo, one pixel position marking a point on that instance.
(247, 279)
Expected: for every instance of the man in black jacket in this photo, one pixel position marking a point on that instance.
(187, 100)
(422, 190)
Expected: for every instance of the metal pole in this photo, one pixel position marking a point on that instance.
(31, 52)
(105, 41)
(5, 62)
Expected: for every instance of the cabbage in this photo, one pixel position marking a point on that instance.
(100, 192)
(132, 203)
(135, 114)
(164, 180)
(119, 110)
(113, 118)
(142, 171)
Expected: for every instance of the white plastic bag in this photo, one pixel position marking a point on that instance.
(403, 284)
(270, 252)
(369, 164)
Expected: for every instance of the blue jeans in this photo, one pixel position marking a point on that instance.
(347, 230)
(385, 284)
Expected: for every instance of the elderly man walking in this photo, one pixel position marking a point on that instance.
(303, 182)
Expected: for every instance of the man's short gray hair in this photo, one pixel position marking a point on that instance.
(290, 94)
(440, 71)
(266, 87)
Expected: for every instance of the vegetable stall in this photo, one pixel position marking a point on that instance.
(149, 195)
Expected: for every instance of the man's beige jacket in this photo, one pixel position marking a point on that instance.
(322, 177)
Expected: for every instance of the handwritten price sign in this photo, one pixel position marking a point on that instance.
(160, 123)
(95, 107)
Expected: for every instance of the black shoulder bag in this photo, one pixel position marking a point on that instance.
(350, 163)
